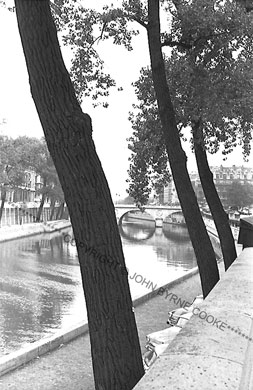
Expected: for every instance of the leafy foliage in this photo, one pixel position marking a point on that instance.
(201, 26)
(139, 188)
(208, 79)
(81, 29)
(148, 168)
(210, 75)
(36, 157)
(23, 154)
(4, 4)
(11, 171)
(127, 200)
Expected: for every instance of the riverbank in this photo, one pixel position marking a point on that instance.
(70, 366)
(214, 350)
(38, 348)
(35, 350)
(13, 232)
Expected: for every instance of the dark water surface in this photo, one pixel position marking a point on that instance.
(40, 284)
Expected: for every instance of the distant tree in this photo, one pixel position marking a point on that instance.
(12, 174)
(37, 157)
(127, 200)
(148, 162)
(240, 194)
(55, 194)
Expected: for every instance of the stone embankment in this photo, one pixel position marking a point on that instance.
(31, 351)
(19, 231)
(214, 350)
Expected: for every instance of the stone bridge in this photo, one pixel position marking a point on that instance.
(158, 213)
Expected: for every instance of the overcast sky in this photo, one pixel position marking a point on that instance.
(110, 126)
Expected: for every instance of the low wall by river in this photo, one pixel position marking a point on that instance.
(19, 231)
(215, 348)
(38, 348)
(26, 215)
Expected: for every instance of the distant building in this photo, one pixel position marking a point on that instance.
(194, 176)
(223, 178)
(28, 192)
(170, 194)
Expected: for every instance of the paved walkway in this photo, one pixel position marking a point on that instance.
(215, 349)
(70, 367)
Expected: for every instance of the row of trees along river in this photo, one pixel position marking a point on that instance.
(19, 158)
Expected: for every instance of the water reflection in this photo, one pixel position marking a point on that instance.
(171, 244)
(132, 232)
(177, 233)
(40, 283)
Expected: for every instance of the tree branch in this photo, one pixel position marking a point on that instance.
(100, 36)
(177, 4)
(169, 42)
(143, 24)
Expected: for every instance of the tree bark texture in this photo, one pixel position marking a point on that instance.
(203, 249)
(219, 215)
(115, 349)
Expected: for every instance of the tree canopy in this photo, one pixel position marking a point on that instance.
(17, 156)
(11, 168)
(210, 75)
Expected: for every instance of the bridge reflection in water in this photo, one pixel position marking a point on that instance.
(171, 244)
(40, 284)
(155, 255)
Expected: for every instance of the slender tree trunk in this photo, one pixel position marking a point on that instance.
(60, 210)
(116, 353)
(204, 252)
(3, 199)
(52, 209)
(219, 215)
(41, 205)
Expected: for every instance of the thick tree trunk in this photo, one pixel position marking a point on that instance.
(38, 216)
(52, 209)
(204, 252)
(116, 354)
(219, 215)
(3, 199)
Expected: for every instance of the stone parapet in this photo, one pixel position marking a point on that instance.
(13, 232)
(214, 349)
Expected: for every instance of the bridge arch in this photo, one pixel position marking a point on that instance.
(143, 216)
(159, 213)
(177, 218)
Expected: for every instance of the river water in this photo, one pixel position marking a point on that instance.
(40, 283)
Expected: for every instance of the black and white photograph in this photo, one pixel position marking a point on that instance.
(126, 195)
